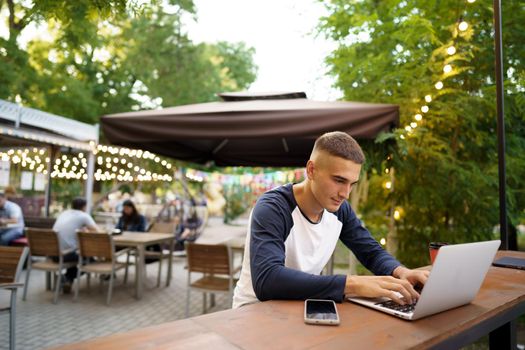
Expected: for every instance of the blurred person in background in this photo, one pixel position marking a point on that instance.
(66, 225)
(131, 219)
(11, 220)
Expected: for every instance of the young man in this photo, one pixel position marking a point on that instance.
(66, 225)
(11, 221)
(294, 229)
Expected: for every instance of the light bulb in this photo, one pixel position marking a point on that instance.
(424, 109)
(413, 125)
(439, 85)
(397, 215)
(447, 68)
(463, 26)
(471, 1)
(428, 98)
(451, 50)
(418, 117)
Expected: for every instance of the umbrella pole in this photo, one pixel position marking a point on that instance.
(501, 126)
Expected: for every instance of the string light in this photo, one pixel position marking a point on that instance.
(463, 26)
(447, 68)
(74, 166)
(397, 215)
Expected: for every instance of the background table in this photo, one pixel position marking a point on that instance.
(140, 241)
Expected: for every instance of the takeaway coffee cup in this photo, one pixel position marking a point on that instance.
(433, 249)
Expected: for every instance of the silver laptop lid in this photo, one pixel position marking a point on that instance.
(456, 276)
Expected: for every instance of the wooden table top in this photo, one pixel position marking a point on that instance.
(141, 237)
(279, 324)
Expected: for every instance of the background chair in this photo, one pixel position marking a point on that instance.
(45, 243)
(97, 255)
(215, 263)
(11, 261)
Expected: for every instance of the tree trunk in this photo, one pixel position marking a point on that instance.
(391, 237)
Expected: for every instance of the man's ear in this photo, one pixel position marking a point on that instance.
(310, 168)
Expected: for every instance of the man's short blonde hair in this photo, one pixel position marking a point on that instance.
(340, 144)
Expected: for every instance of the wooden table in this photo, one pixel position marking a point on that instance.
(140, 241)
(279, 325)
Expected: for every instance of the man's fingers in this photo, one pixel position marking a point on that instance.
(395, 297)
(399, 288)
(411, 290)
(424, 277)
(421, 277)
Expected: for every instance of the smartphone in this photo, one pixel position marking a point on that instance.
(318, 311)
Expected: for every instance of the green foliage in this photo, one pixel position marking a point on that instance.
(114, 56)
(65, 191)
(238, 200)
(446, 183)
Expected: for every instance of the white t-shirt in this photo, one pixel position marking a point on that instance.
(67, 224)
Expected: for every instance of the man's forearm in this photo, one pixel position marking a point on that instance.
(286, 283)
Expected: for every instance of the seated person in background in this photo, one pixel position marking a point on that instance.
(187, 230)
(66, 225)
(10, 192)
(10, 214)
(131, 220)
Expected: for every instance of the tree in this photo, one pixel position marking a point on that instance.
(445, 184)
(117, 59)
(157, 53)
(76, 23)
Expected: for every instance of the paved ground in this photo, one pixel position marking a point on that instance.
(41, 324)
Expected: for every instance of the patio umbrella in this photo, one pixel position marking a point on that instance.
(246, 129)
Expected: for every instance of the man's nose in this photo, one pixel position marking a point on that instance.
(345, 190)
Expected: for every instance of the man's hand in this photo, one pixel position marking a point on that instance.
(381, 286)
(412, 276)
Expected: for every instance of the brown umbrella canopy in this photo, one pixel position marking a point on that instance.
(253, 132)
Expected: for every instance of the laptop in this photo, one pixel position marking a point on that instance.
(455, 279)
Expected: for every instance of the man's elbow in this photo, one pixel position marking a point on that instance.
(261, 291)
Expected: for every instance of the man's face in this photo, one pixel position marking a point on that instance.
(332, 179)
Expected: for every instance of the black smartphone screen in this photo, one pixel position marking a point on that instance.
(321, 310)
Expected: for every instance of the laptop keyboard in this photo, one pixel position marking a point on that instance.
(397, 307)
